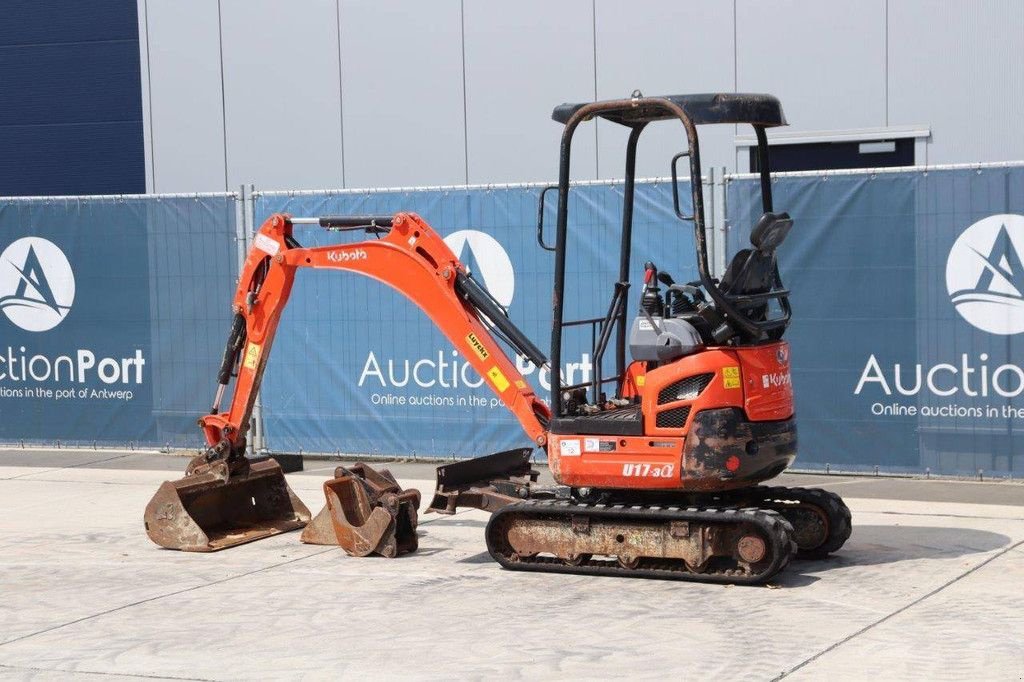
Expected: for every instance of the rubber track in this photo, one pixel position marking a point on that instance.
(840, 521)
(776, 529)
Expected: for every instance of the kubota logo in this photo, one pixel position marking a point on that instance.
(37, 286)
(985, 277)
(486, 260)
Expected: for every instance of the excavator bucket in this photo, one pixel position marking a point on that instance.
(203, 512)
(367, 512)
(488, 483)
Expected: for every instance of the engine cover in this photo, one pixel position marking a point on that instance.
(664, 340)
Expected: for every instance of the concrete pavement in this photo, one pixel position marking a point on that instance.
(928, 587)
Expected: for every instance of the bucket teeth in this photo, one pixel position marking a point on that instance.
(203, 512)
(366, 512)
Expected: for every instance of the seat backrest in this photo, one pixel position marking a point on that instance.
(752, 271)
(770, 231)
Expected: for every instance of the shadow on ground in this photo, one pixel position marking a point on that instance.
(874, 545)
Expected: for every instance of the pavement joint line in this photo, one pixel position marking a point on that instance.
(949, 516)
(187, 589)
(58, 480)
(314, 470)
(168, 594)
(870, 626)
(438, 517)
(104, 674)
(70, 466)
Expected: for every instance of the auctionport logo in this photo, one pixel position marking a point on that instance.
(985, 282)
(486, 260)
(37, 286)
(985, 276)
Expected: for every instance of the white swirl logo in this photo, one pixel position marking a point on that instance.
(985, 277)
(486, 260)
(37, 286)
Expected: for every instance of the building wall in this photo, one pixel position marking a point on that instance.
(361, 93)
(70, 98)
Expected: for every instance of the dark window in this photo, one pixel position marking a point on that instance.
(71, 114)
(836, 155)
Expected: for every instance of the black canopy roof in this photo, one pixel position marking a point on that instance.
(724, 107)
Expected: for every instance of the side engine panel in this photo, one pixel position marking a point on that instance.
(718, 419)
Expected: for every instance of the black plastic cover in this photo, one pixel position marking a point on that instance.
(723, 107)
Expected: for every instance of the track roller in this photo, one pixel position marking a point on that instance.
(728, 545)
(821, 521)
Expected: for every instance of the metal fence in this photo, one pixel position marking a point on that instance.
(908, 297)
(357, 369)
(112, 308)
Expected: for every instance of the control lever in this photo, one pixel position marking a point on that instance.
(650, 300)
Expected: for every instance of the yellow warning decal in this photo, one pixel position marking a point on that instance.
(478, 348)
(499, 380)
(520, 384)
(252, 356)
(639, 380)
(731, 377)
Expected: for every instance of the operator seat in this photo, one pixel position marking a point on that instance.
(752, 271)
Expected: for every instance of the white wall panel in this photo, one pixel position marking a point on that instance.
(663, 47)
(522, 59)
(825, 59)
(147, 123)
(959, 70)
(281, 84)
(187, 146)
(412, 115)
(402, 93)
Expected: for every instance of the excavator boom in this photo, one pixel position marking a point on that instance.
(208, 509)
(411, 258)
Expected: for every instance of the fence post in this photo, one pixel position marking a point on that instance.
(240, 222)
(724, 232)
(709, 227)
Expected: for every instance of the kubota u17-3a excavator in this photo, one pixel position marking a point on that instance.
(658, 466)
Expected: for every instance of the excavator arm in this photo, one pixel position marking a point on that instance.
(407, 256)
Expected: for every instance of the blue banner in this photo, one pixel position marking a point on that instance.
(109, 312)
(908, 306)
(908, 298)
(357, 368)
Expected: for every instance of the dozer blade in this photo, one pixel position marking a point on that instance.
(488, 483)
(203, 513)
(367, 512)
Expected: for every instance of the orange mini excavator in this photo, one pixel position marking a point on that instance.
(657, 466)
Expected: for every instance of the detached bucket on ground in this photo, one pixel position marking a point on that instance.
(203, 513)
(367, 512)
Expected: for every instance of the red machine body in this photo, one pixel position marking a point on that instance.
(668, 456)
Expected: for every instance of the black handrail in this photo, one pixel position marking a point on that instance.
(586, 384)
(540, 218)
(615, 310)
(576, 323)
(675, 188)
